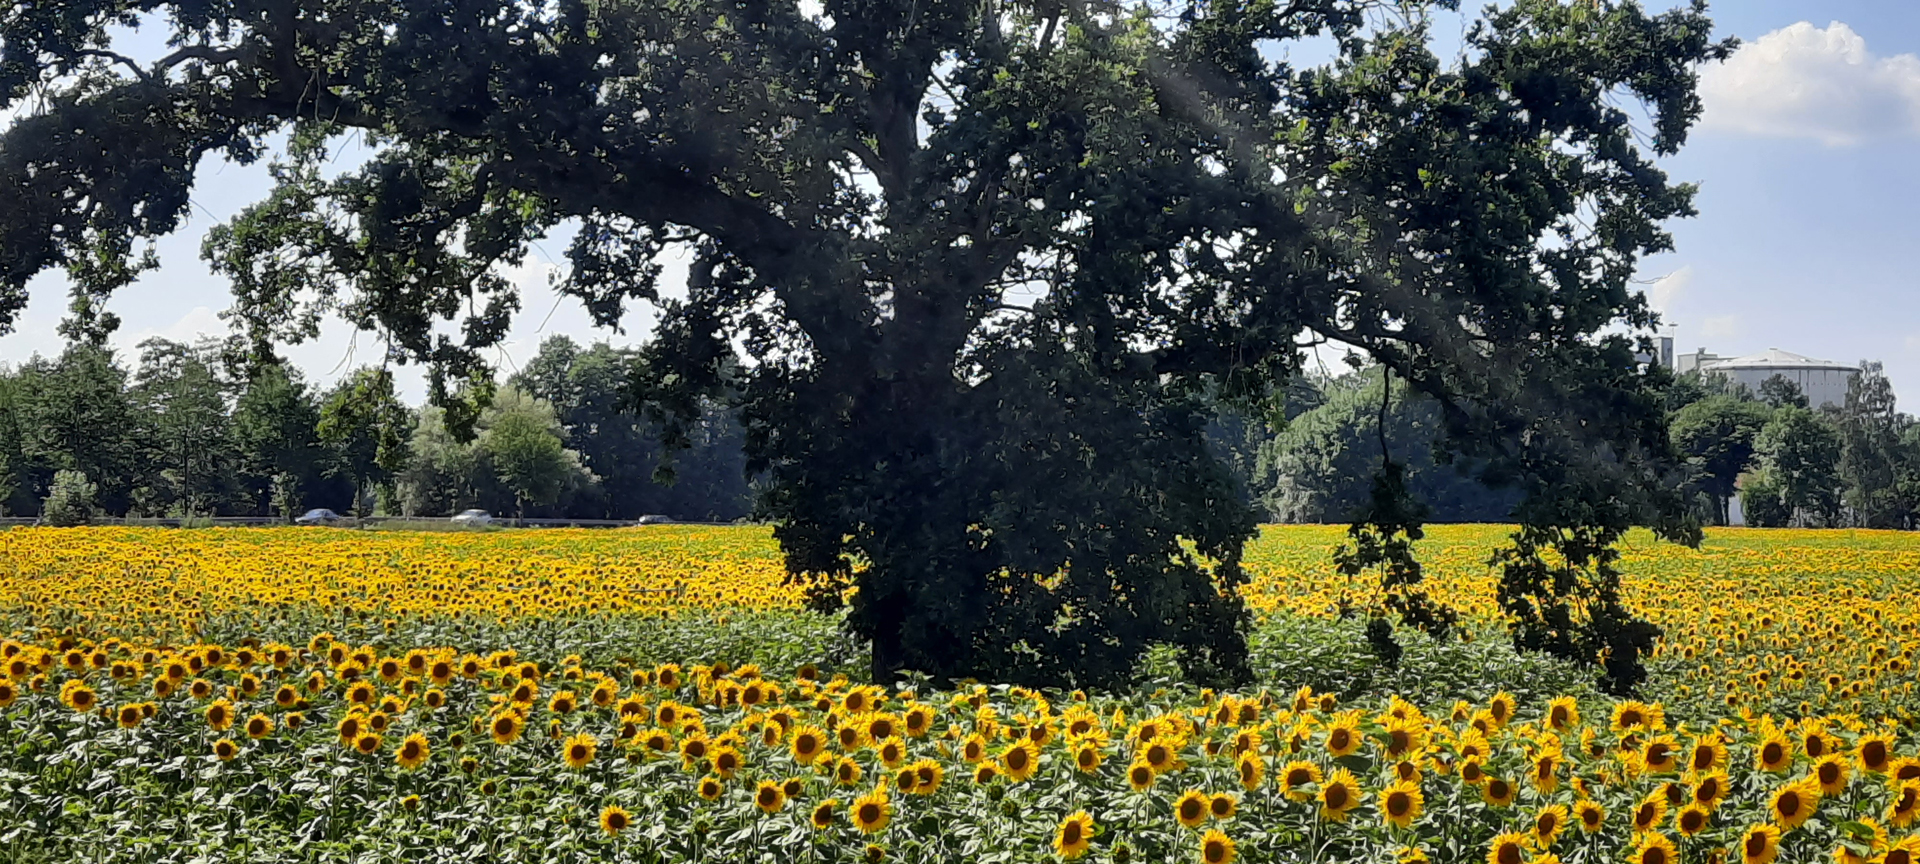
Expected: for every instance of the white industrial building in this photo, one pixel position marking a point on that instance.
(1824, 382)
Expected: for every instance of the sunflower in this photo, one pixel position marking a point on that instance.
(927, 776)
(563, 702)
(871, 812)
(694, 751)
(1904, 807)
(1905, 851)
(1793, 804)
(506, 728)
(822, 816)
(769, 797)
(1708, 753)
(1548, 823)
(1473, 771)
(906, 779)
(1222, 806)
(1875, 752)
(1140, 776)
(1507, 849)
(1191, 808)
(1401, 803)
(1831, 772)
(726, 761)
(1160, 755)
(1648, 813)
(1339, 796)
(918, 720)
(1472, 745)
(1343, 735)
(1661, 754)
(1501, 708)
(1775, 753)
(1499, 792)
(1632, 714)
(1074, 836)
(1709, 790)
(1020, 761)
(367, 744)
(1296, 775)
(892, 752)
(1691, 820)
(710, 787)
(846, 772)
(1760, 845)
(974, 748)
(1592, 817)
(614, 819)
(1087, 758)
(807, 744)
(985, 773)
(225, 750)
(78, 696)
(1252, 770)
(219, 715)
(1563, 713)
(129, 716)
(1654, 848)
(1545, 773)
(413, 751)
(1217, 848)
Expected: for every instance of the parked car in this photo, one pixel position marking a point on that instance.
(653, 519)
(473, 517)
(319, 516)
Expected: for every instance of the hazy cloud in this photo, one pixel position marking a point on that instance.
(1804, 81)
(1662, 293)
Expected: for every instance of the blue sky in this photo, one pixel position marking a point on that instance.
(1807, 240)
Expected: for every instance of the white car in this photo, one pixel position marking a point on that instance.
(473, 517)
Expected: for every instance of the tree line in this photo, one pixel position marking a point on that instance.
(1787, 463)
(201, 430)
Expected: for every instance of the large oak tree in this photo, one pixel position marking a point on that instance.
(990, 261)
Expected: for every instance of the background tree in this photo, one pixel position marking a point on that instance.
(1717, 435)
(520, 443)
(1780, 391)
(1320, 468)
(276, 423)
(186, 436)
(590, 391)
(1871, 452)
(1799, 453)
(70, 499)
(996, 262)
(367, 427)
(441, 470)
(75, 413)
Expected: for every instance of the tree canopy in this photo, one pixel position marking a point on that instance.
(990, 260)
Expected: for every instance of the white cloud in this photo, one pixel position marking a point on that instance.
(1721, 327)
(1804, 81)
(1669, 288)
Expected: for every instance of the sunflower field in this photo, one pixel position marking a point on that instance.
(654, 695)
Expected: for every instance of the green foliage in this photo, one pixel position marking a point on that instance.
(985, 258)
(1799, 454)
(589, 390)
(367, 427)
(521, 443)
(70, 500)
(1873, 454)
(1717, 435)
(1319, 467)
